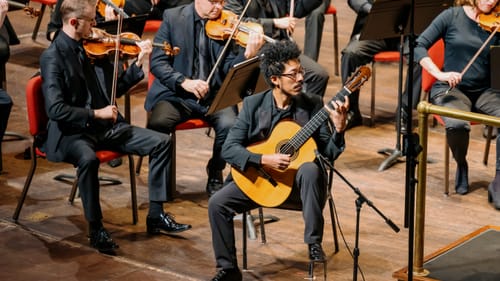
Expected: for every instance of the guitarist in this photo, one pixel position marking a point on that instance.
(259, 115)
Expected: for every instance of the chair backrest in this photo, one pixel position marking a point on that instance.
(35, 105)
(436, 53)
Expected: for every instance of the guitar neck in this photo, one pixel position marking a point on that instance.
(316, 121)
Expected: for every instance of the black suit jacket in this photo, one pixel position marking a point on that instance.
(255, 124)
(256, 12)
(178, 29)
(65, 92)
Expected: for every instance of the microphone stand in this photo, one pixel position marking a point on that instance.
(359, 203)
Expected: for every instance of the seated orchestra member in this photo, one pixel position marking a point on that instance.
(82, 119)
(273, 15)
(470, 91)
(180, 90)
(314, 30)
(259, 115)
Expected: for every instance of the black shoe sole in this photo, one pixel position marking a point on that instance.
(156, 231)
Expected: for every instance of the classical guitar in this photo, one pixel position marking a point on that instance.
(271, 187)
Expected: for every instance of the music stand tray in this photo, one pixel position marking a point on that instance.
(243, 79)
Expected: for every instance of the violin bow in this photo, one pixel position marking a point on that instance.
(116, 60)
(292, 11)
(476, 54)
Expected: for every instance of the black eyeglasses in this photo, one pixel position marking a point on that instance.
(294, 75)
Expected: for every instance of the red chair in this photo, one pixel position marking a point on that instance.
(436, 52)
(37, 121)
(43, 6)
(186, 125)
(331, 10)
(152, 26)
(381, 57)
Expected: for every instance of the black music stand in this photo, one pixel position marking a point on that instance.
(243, 79)
(390, 19)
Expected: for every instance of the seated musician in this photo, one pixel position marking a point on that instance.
(180, 90)
(83, 119)
(467, 91)
(274, 15)
(259, 116)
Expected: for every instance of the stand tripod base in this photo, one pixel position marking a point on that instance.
(394, 157)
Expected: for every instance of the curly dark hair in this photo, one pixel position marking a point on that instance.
(274, 56)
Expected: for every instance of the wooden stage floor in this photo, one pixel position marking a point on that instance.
(49, 242)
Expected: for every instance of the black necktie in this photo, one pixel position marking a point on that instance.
(203, 54)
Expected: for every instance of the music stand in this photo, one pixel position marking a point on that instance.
(243, 79)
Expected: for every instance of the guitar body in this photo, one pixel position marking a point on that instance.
(254, 183)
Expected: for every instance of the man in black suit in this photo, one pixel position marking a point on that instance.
(260, 114)
(180, 90)
(82, 119)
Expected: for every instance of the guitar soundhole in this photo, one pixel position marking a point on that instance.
(284, 147)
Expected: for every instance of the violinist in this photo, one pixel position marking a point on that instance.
(274, 16)
(468, 91)
(180, 90)
(82, 119)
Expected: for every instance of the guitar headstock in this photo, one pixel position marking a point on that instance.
(358, 78)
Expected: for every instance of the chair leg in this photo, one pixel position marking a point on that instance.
(133, 189)
(446, 169)
(38, 22)
(372, 97)
(244, 241)
(27, 184)
(311, 269)
(487, 145)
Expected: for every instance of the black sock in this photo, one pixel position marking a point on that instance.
(155, 209)
(94, 226)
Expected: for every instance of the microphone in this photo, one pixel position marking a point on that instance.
(117, 9)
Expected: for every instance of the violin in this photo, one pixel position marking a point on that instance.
(222, 28)
(100, 44)
(491, 20)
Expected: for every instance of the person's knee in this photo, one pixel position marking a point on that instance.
(88, 161)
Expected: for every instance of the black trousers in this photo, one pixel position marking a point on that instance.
(226, 203)
(166, 115)
(80, 151)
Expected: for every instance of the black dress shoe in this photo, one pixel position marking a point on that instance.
(233, 274)
(215, 181)
(316, 252)
(165, 223)
(354, 119)
(101, 240)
